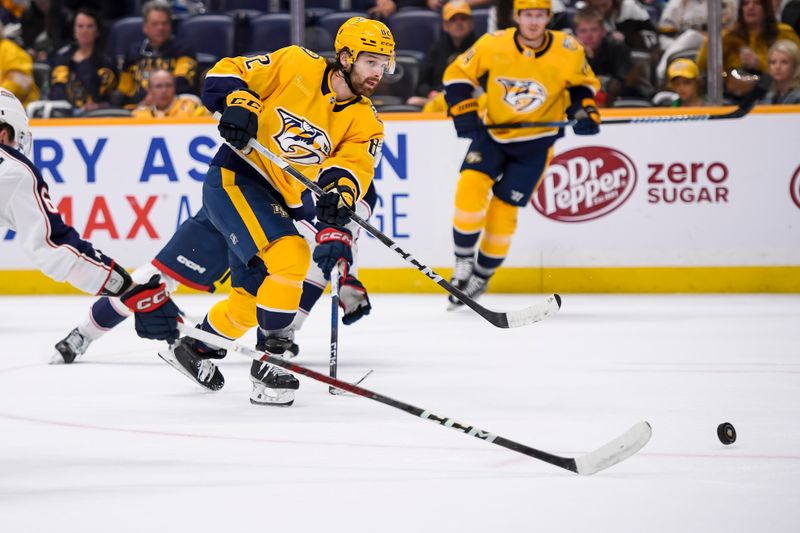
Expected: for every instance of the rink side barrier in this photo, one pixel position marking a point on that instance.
(675, 207)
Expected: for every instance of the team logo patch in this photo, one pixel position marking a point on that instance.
(523, 95)
(474, 157)
(301, 141)
(279, 210)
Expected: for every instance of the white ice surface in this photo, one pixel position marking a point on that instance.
(121, 442)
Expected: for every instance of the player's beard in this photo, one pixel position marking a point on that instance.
(363, 86)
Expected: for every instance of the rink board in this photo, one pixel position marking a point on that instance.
(677, 207)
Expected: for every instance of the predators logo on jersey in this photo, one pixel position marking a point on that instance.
(301, 141)
(523, 95)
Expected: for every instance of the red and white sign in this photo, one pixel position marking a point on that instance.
(584, 184)
(794, 187)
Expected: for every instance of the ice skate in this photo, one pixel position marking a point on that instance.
(189, 359)
(70, 348)
(461, 275)
(291, 351)
(273, 385)
(475, 288)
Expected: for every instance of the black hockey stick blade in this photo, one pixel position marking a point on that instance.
(604, 457)
(512, 319)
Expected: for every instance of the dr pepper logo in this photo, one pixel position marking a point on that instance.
(794, 187)
(584, 184)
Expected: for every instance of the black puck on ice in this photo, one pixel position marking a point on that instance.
(726, 433)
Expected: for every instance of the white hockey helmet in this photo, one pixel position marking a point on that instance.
(13, 114)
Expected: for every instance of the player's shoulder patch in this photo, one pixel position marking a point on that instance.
(569, 43)
(310, 53)
(375, 112)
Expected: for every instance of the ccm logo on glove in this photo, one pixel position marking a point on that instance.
(147, 300)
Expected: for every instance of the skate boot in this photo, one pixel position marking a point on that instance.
(291, 351)
(192, 359)
(70, 348)
(272, 385)
(461, 275)
(476, 286)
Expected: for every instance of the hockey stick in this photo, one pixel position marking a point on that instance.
(759, 90)
(334, 354)
(511, 319)
(607, 455)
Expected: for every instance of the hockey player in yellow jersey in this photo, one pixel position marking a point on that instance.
(315, 114)
(532, 75)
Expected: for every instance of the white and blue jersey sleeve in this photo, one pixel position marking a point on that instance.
(55, 248)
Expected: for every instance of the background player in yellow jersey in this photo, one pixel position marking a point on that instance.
(532, 75)
(313, 113)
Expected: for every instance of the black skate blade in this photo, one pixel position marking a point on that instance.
(208, 386)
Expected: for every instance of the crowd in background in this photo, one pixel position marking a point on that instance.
(54, 54)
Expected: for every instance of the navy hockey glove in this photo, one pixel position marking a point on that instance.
(465, 119)
(239, 121)
(333, 243)
(339, 200)
(588, 118)
(353, 299)
(155, 313)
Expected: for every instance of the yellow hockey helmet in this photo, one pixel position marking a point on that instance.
(519, 5)
(359, 34)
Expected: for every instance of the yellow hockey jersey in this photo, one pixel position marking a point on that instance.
(523, 84)
(301, 120)
(16, 72)
(181, 107)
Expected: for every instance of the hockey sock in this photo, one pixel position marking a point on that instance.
(501, 222)
(234, 316)
(312, 291)
(287, 261)
(472, 197)
(104, 315)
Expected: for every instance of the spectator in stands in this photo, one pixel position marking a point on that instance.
(745, 45)
(82, 73)
(45, 28)
(11, 10)
(628, 21)
(684, 79)
(784, 68)
(165, 103)
(107, 11)
(458, 35)
(159, 51)
(610, 59)
(383, 9)
(16, 71)
(682, 38)
(681, 15)
(790, 14)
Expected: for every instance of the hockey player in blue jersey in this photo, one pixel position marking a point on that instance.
(55, 247)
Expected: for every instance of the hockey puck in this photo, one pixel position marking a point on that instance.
(726, 433)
